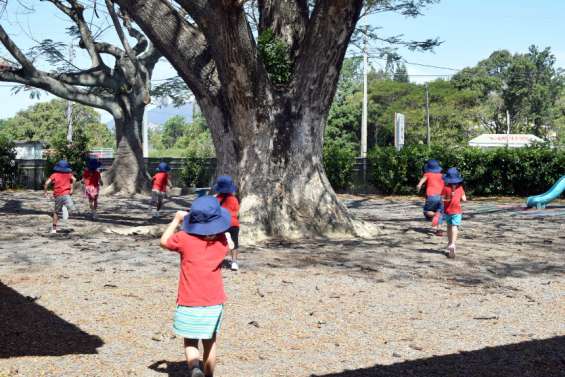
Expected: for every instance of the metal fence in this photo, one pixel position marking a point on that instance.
(31, 174)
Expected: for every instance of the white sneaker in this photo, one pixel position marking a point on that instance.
(53, 231)
(234, 266)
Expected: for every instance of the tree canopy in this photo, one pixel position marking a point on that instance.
(47, 121)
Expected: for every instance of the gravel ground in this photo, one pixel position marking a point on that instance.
(87, 302)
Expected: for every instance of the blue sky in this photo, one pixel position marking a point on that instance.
(471, 30)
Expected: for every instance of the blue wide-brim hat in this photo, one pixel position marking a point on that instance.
(164, 167)
(432, 166)
(93, 164)
(206, 217)
(224, 185)
(452, 177)
(63, 166)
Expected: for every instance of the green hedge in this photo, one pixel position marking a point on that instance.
(501, 171)
(7, 163)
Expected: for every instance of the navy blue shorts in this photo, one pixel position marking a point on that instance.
(433, 204)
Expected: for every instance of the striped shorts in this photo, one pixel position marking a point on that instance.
(198, 322)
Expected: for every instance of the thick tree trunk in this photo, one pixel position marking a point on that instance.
(277, 162)
(269, 137)
(128, 174)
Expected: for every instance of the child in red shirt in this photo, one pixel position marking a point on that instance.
(63, 181)
(226, 196)
(202, 246)
(453, 194)
(434, 185)
(159, 182)
(92, 182)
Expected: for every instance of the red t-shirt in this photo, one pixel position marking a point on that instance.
(91, 178)
(160, 181)
(200, 279)
(230, 203)
(434, 184)
(61, 183)
(452, 199)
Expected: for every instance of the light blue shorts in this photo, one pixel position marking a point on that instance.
(198, 322)
(453, 219)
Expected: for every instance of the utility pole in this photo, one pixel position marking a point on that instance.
(507, 128)
(145, 126)
(427, 114)
(69, 111)
(365, 99)
(364, 115)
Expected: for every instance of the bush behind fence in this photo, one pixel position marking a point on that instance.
(501, 171)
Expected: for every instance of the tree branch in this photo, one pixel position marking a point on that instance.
(321, 54)
(286, 18)
(41, 80)
(76, 13)
(94, 77)
(129, 51)
(110, 49)
(180, 42)
(15, 51)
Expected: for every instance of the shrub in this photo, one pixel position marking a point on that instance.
(76, 153)
(7, 162)
(501, 171)
(339, 161)
(196, 171)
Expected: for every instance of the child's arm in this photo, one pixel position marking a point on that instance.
(464, 198)
(46, 187)
(172, 227)
(73, 181)
(421, 183)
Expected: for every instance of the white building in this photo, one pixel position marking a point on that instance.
(29, 150)
(504, 140)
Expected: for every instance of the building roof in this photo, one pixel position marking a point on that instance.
(503, 140)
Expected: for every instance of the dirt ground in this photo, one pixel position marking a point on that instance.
(88, 302)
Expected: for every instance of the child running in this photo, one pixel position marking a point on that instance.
(200, 301)
(159, 187)
(434, 185)
(226, 196)
(63, 181)
(92, 183)
(453, 194)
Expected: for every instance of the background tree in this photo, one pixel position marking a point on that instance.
(266, 100)
(123, 89)
(527, 86)
(46, 121)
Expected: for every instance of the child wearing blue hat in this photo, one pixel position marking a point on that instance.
(202, 246)
(453, 194)
(63, 181)
(225, 189)
(434, 185)
(160, 181)
(92, 182)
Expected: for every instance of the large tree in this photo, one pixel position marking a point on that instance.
(123, 89)
(264, 74)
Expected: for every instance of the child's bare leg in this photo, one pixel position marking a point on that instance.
(454, 233)
(55, 219)
(209, 356)
(191, 352)
(449, 234)
(234, 255)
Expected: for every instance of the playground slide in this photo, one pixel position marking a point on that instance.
(540, 201)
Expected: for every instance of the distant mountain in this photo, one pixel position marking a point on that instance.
(157, 116)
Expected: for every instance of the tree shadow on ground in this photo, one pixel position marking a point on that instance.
(536, 358)
(15, 207)
(28, 329)
(402, 260)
